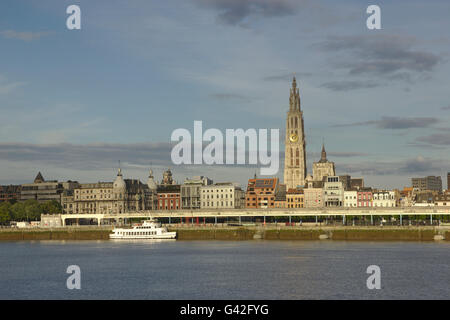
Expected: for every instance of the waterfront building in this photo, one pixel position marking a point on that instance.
(10, 193)
(313, 197)
(169, 197)
(365, 197)
(424, 198)
(120, 196)
(356, 183)
(295, 153)
(333, 191)
(295, 198)
(190, 192)
(323, 168)
(406, 197)
(42, 190)
(442, 200)
(280, 196)
(222, 196)
(384, 198)
(432, 183)
(350, 198)
(261, 193)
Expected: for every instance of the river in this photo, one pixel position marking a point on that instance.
(224, 269)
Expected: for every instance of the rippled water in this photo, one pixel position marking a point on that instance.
(224, 270)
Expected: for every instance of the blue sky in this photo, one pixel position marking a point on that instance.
(72, 103)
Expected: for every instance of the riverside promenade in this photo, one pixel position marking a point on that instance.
(236, 233)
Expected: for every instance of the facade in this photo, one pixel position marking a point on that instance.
(384, 198)
(280, 196)
(323, 168)
(261, 193)
(116, 197)
(350, 198)
(313, 197)
(442, 200)
(169, 197)
(295, 153)
(295, 198)
(431, 183)
(42, 190)
(10, 193)
(222, 196)
(356, 183)
(365, 197)
(333, 192)
(406, 197)
(190, 192)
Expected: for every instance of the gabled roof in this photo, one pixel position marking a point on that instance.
(39, 178)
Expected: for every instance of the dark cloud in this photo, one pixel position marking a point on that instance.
(389, 56)
(418, 165)
(442, 139)
(87, 157)
(349, 85)
(396, 123)
(409, 167)
(234, 12)
(337, 154)
(287, 76)
(446, 108)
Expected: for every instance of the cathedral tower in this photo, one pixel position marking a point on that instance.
(295, 154)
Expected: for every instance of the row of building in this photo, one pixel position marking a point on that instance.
(125, 195)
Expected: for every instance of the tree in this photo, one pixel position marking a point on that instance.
(51, 207)
(18, 211)
(5, 212)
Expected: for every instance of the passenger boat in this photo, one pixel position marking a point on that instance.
(150, 229)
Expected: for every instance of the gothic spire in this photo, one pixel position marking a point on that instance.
(323, 157)
(294, 99)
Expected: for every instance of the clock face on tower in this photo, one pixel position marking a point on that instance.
(293, 137)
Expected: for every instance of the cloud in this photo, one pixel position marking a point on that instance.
(7, 87)
(287, 76)
(23, 35)
(87, 157)
(349, 85)
(389, 56)
(409, 167)
(230, 96)
(396, 123)
(235, 12)
(446, 108)
(442, 139)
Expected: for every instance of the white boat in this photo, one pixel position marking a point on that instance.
(150, 229)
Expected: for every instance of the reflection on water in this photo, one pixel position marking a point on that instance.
(170, 269)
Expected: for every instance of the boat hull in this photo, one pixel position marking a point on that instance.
(166, 235)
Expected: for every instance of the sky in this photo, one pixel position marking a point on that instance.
(74, 102)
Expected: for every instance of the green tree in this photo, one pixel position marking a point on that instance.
(51, 207)
(5, 212)
(18, 211)
(33, 210)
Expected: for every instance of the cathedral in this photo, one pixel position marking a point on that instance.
(295, 153)
(323, 167)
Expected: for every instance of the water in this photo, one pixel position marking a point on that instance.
(224, 270)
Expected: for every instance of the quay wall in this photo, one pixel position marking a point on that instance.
(244, 233)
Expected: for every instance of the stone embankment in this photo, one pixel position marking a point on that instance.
(245, 233)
